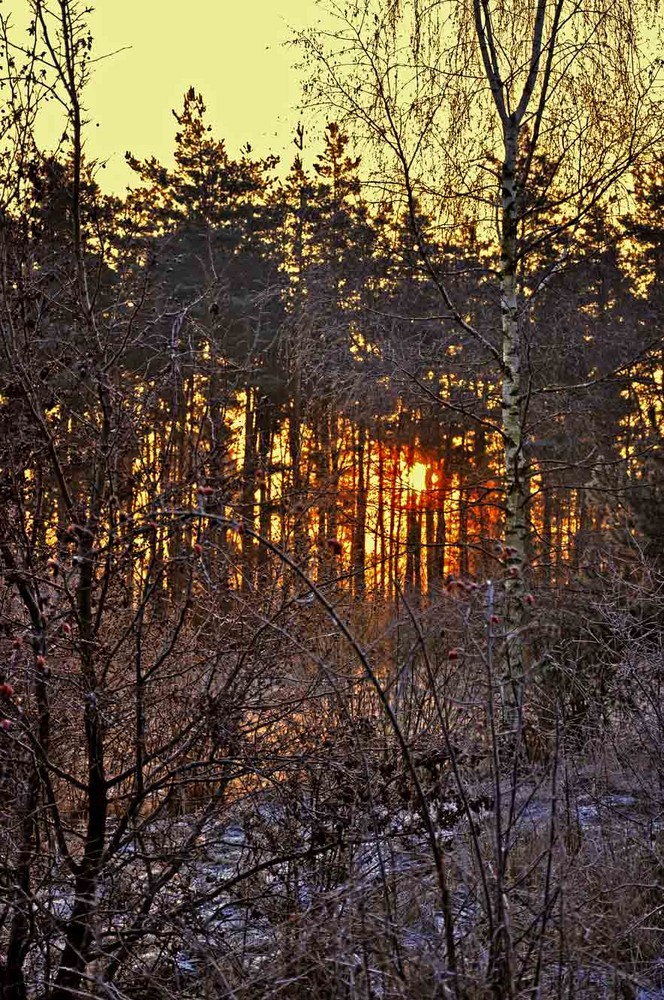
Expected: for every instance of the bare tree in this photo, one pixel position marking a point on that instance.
(458, 102)
(216, 782)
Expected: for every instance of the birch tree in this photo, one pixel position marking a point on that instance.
(458, 102)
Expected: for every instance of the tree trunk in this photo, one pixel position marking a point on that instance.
(516, 480)
(358, 558)
(433, 577)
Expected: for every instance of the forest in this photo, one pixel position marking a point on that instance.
(332, 523)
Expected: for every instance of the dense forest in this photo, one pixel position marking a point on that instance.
(332, 528)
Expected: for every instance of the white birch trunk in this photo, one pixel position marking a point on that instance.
(512, 355)
(516, 478)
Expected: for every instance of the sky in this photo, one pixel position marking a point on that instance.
(232, 51)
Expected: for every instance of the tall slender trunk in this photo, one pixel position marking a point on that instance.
(359, 534)
(247, 504)
(381, 541)
(430, 533)
(547, 550)
(301, 540)
(265, 436)
(516, 479)
(79, 934)
(394, 537)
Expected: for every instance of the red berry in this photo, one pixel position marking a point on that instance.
(41, 662)
(453, 654)
(66, 628)
(5, 724)
(495, 620)
(514, 571)
(198, 549)
(206, 491)
(6, 690)
(529, 599)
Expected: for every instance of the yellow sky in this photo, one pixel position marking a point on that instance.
(230, 50)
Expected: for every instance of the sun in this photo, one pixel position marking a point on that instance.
(415, 476)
